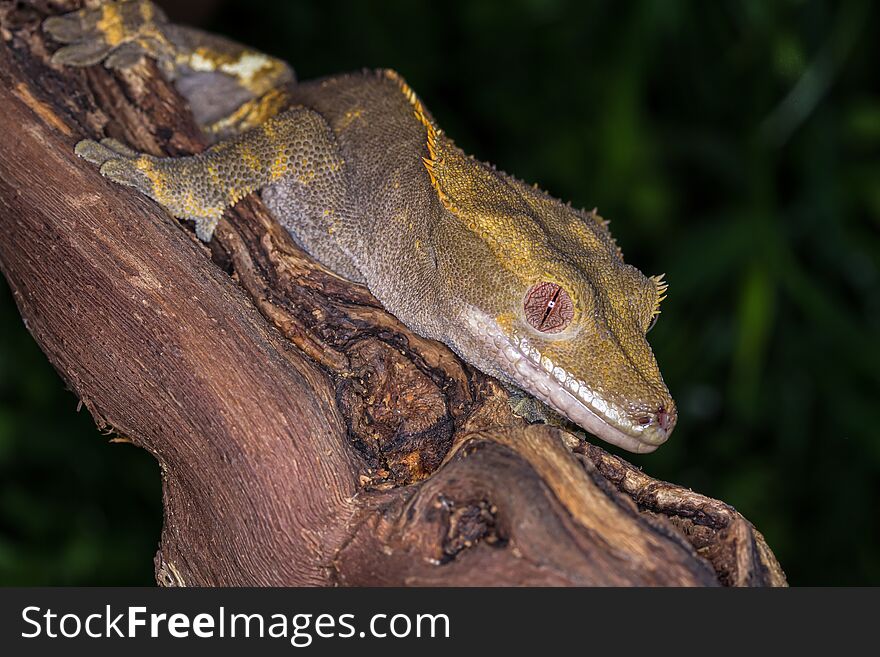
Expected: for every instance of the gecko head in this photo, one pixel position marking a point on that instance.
(549, 304)
(578, 344)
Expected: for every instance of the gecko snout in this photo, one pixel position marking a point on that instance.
(658, 425)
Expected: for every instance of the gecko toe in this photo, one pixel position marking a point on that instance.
(118, 147)
(81, 54)
(116, 161)
(73, 27)
(95, 153)
(126, 56)
(125, 172)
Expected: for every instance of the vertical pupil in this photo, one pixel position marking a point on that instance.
(550, 304)
(548, 307)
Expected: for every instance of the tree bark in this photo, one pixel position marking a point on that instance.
(305, 436)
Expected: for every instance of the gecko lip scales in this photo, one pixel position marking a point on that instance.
(561, 391)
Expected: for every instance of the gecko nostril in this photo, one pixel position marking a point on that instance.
(661, 417)
(664, 419)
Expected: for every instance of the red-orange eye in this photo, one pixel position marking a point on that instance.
(548, 308)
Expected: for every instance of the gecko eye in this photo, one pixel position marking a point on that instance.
(548, 308)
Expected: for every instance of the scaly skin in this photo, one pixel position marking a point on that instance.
(520, 285)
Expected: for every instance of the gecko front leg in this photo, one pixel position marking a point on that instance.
(297, 147)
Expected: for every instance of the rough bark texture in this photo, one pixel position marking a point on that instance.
(305, 436)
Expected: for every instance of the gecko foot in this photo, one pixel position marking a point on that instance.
(118, 162)
(125, 166)
(525, 406)
(532, 410)
(117, 33)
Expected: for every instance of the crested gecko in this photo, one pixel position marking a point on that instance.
(520, 285)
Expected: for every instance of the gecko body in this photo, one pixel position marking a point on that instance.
(519, 284)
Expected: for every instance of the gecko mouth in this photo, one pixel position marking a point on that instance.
(525, 367)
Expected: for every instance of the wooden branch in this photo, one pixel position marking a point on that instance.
(305, 436)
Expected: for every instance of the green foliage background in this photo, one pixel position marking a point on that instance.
(734, 145)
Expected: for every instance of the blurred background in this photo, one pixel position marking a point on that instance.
(733, 145)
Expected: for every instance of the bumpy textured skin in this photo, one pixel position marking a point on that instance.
(357, 171)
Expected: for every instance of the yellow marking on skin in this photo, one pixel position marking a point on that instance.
(279, 166)
(247, 67)
(249, 158)
(147, 35)
(153, 41)
(190, 205)
(432, 132)
(661, 287)
(488, 209)
(252, 113)
(195, 209)
(349, 117)
(163, 193)
(431, 166)
(270, 131)
(158, 181)
(198, 61)
(214, 174)
(235, 194)
(148, 12)
(505, 322)
(251, 69)
(110, 24)
(517, 243)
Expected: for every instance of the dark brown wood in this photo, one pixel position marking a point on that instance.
(305, 436)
